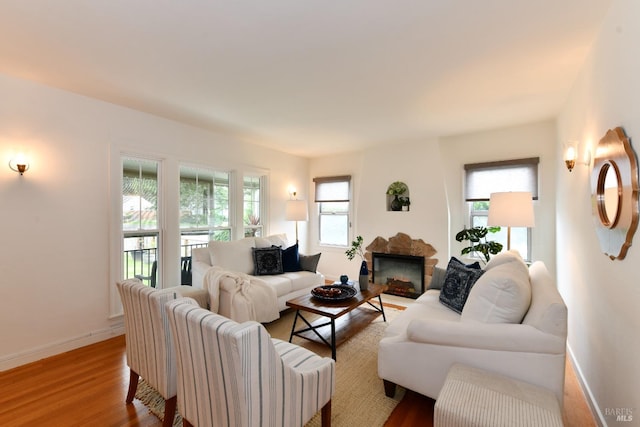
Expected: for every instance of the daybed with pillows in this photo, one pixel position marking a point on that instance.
(507, 318)
(252, 278)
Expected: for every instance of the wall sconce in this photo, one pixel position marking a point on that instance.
(572, 155)
(19, 164)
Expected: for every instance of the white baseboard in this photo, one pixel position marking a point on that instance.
(591, 401)
(18, 359)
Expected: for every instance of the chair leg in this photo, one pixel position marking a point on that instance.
(133, 385)
(169, 411)
(326, 414)
(389, 388)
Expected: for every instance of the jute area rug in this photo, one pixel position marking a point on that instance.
(359, 399)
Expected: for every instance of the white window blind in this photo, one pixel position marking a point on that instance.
(332, 188)
(482, 179)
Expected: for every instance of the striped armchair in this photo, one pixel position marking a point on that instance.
(150, 350)
(235, 374)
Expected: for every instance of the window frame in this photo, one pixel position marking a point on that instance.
(209, 175)
(345, 197)
(258, 229)
(143, 233)
(532, 163)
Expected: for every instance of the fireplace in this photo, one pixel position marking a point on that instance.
(404, 274)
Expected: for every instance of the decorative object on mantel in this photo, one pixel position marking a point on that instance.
(405, 202)
(475, 236)
(356, 249)
(614, 193)
(394, 191)
(403, 244)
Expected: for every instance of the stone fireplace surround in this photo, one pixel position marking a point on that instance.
(403, 244)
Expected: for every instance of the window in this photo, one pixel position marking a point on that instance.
(140, 219)
(482, 179)
(332, 196)
(204, 208)
(252, 212)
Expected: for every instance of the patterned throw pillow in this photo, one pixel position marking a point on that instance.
(268, 261)
(458, 282)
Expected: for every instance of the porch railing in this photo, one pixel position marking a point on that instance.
(143, 264)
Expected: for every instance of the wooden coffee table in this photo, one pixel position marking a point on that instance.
(346, 318)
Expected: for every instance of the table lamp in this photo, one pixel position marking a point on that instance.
(511, 209)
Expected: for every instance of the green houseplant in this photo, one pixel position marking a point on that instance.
(405, 202)
(356, 249)
(397, 188)
(478, 243)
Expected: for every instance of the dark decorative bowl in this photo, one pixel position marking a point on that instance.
(334, 292)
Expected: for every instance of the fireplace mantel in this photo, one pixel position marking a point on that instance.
(403, 244)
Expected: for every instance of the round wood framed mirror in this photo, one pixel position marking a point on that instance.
(614, 185)
(608, 194)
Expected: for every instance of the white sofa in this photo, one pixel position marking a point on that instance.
(237, 257)
(514, 323)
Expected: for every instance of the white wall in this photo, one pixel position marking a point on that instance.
(418, 165)
(433, 169)
(530, 140)
(603, 296)
(55, 220)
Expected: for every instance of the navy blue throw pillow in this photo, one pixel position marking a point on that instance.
(458, 281)
(291, 259)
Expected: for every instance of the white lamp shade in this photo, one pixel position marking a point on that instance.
(296, 210)
(511, 209)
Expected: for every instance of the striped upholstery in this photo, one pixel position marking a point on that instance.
(149, 345)
(150, 350)
(473, 397)
(235, 374)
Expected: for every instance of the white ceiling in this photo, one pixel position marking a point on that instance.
(310, 77)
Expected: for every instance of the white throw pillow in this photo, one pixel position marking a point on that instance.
(504, 257)
(233, 256)
(275, 239)
(501, 295)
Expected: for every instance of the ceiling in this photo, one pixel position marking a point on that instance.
(310, 78)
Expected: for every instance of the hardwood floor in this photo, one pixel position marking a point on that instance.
(88, 386)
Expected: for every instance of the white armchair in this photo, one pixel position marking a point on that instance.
(422, 344)
(235, 374)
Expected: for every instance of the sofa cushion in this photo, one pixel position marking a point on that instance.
(501, 295)
(234, 255)
(273, 240)
(427, 307)
(458, 282)
(291, 259)
(437, 278)
(281, 283)
(309, 262)
(547, 312)
(267, 261)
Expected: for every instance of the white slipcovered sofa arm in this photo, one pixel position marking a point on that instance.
(488, 336)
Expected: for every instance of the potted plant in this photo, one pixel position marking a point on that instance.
(396, 189)
(477, 237)
(356, 249)
(405, 202)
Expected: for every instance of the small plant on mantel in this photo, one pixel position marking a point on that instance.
(356, 249)
(477, 236)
